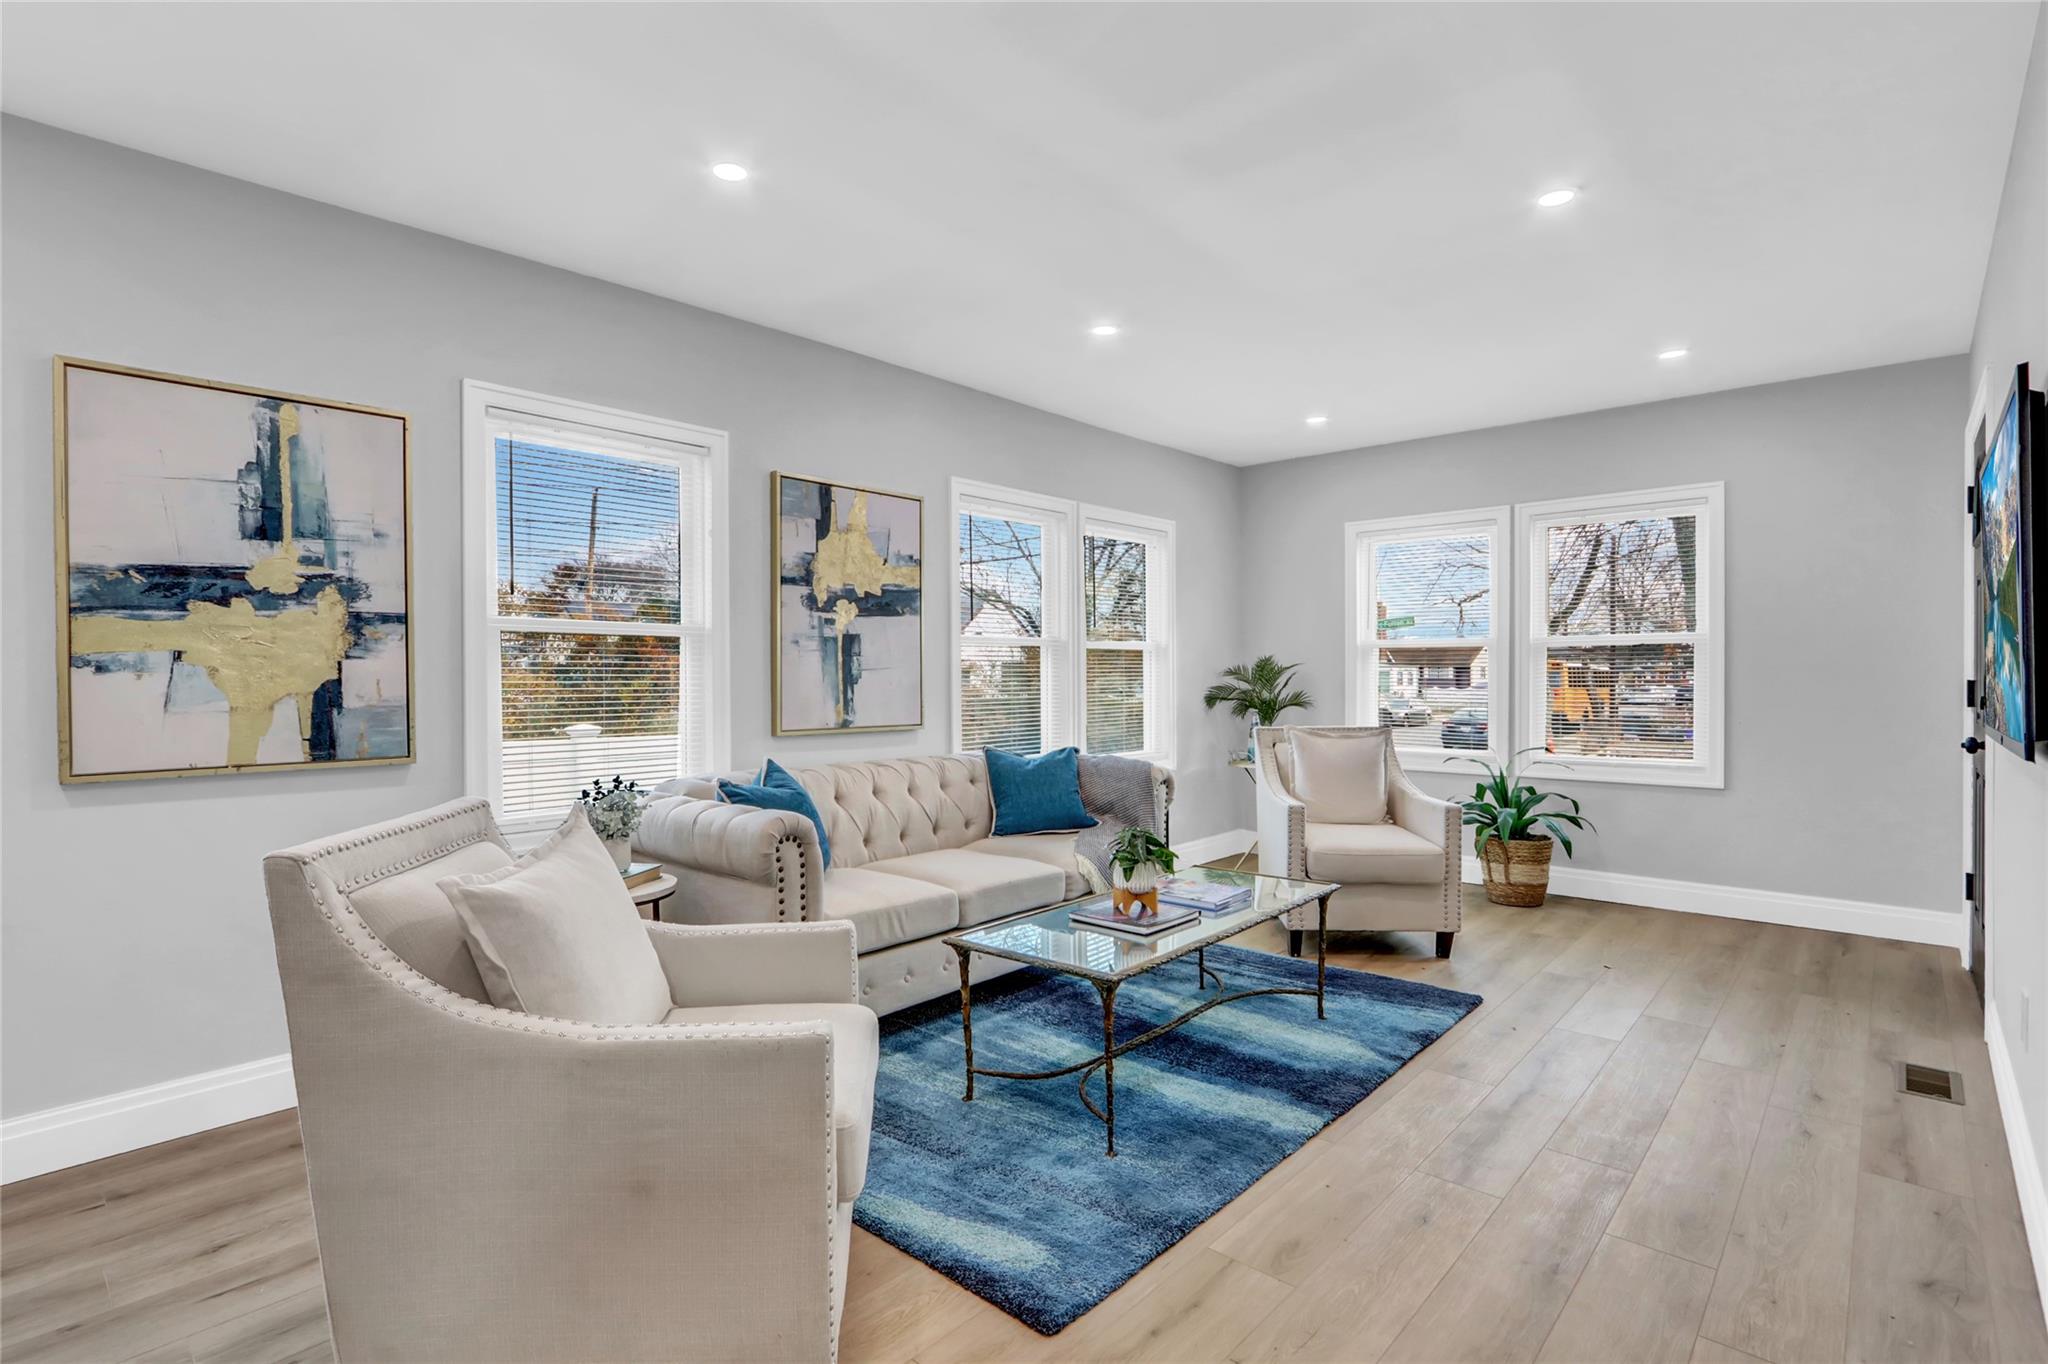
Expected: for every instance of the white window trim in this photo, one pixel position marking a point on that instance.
(1706, 768)
(480, 569)
(1361, 653)
(1063, 719)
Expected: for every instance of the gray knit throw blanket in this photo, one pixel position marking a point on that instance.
(1118, 792)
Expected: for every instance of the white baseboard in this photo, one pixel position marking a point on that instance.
(56, 1138)
(1761, 906)
(2026, 1173)
(1230, 843)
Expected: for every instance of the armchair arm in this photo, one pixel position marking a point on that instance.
(759, 964)
(1282, 820)
(756, 865)
(1414, 809)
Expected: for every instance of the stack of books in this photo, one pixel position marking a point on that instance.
(640, 873)
(1103, 915)
(1211, 897)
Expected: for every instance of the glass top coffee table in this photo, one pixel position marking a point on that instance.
(1050, 940)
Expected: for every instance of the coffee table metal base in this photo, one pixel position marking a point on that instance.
(1111, 1048)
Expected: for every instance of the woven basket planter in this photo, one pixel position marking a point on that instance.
(1517, 872)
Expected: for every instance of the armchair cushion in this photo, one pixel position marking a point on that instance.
(1341, 778)
(1375, 854)
(987, 886)
(556, 933)
(887, 910)
(408, 912)
(856, 1052)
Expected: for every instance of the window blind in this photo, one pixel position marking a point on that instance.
(1429, 628)
(1117, 683)
(600, 615)
(1621, 636)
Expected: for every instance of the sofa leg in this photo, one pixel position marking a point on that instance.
(1293, 942)
(1443, 944)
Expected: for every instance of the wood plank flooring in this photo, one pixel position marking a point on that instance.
(1663, 1138)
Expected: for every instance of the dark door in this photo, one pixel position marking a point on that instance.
(1973, 880)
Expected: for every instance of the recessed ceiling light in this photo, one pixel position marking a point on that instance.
(1675, 353)
(1104, 329)
(730, 170)
(1318, 419)
(1557, 198)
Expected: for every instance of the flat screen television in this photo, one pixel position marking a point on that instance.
(2010, 523)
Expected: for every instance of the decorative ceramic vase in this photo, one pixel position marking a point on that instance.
(1136, 892)
(1518, 871)
(621, 850)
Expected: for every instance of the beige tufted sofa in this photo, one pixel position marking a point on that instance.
(1402, 874)
(493, 1185)
(913, 860)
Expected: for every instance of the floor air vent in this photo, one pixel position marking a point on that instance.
(1945, 1085)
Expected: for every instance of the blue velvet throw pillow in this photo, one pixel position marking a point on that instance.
(1040, 795)
(777, 789)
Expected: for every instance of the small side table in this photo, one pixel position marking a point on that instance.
(1250, 769)
(652, 893)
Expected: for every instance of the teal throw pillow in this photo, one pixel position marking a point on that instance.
(1040, 795)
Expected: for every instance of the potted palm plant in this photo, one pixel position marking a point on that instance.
(1140, 860)
(1513, 833)
(1259, 690)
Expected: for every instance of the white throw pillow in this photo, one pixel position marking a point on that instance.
(1341, 778)
(556, 933)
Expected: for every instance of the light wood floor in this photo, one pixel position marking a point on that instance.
(1662, 1138)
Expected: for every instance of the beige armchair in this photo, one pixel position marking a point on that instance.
(492, 1185)
(1393, 849)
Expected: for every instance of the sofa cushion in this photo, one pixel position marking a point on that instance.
(1383, 854)
(988, 886)
(1341, 778)
(556, 933)
(1054, 850)
(886, 910)
(1037, 795)
(779, 790)
(411, 916)
(856, 1051)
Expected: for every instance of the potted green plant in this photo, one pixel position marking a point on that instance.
(1139, 861)
(614, 811)
(1512, 832)
(1259, 690)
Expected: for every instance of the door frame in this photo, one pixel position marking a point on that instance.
(1966, 717)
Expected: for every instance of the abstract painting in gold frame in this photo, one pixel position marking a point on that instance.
(849, 607)
(234, 578)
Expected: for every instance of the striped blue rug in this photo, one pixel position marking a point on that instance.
(1011, 1196)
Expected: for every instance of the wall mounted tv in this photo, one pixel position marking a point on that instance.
(2012, 518)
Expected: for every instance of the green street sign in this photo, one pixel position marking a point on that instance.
(1397, 622)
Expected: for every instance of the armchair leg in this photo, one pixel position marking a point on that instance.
(1443, 944)
(1293, 942)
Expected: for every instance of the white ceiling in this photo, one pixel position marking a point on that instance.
(1290, 208)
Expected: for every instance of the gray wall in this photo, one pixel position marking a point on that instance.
(135, 944)
(2012, 327)
(1841, 600)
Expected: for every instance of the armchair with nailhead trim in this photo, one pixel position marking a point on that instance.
(493, 1185)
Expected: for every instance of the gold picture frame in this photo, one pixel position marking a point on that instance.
(855, 558)
(129, 635)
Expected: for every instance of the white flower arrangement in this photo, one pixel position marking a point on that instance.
(614, 808)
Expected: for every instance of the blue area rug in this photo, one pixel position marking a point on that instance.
(1011, 1196)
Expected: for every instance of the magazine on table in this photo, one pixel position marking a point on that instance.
(1212, 897)
(1105, 917)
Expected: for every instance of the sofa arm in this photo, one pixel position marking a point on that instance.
(774, 850)
(758, 964)
(1282, 820)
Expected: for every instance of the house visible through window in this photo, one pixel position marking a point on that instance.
(600, 613)
(1029, 679)
(1623, 672)
(1424, 629)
